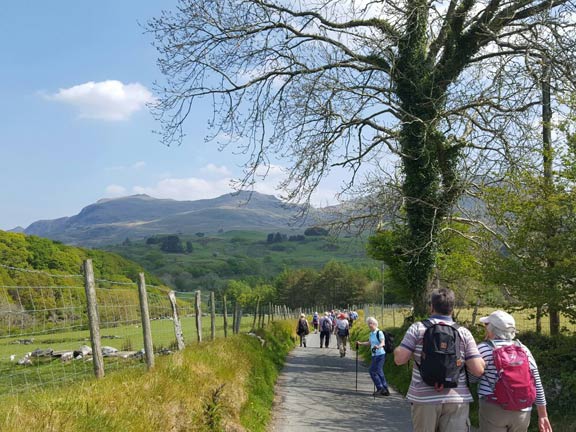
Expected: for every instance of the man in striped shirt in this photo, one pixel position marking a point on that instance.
(439, 409)
(501, 331)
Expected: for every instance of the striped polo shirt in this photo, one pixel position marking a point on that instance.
(488, 380)
(419, 391)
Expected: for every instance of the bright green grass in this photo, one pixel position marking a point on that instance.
(49, 372)
(218, 387)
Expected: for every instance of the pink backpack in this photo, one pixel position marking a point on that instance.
(515, 388)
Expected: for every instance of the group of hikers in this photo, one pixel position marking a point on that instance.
(334, 322)
(446, 359)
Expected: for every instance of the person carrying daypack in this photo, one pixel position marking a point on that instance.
(388, 341)
(325, 329)
(315, 322)
(302, 330)
(376, 342)
(440, 349)
(511, 383)
(352, 316)
(342, 333)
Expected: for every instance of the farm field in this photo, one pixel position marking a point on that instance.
(44, 372)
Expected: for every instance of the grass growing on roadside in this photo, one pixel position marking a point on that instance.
(226, 385)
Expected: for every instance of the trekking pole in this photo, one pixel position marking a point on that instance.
(356, 368)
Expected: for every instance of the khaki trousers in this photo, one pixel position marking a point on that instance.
(494, 418)
(449, 417)
(341, 342)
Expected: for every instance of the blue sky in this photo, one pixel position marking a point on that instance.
(75, 78)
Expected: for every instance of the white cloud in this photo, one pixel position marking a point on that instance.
(191, 188)
(212, 169)
(110, 100)
(113, 191)
(138, 165)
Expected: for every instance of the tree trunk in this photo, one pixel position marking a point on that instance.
(429, 187)
(547, 162)
(554, 321)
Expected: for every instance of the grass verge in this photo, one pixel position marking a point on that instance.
(225, 385)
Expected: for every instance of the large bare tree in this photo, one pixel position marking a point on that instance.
(442, 87)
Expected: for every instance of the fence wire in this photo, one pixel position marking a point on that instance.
(45, 336)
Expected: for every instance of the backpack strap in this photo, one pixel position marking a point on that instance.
(458, 345)
(427, 323)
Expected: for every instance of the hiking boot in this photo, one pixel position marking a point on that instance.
(385, 392)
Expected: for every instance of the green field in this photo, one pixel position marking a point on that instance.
(15, 378)
(240, 254)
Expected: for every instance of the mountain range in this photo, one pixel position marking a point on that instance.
(111, 221)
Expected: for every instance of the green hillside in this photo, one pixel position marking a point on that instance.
(41, 286)
(213, 259)
(40, 254)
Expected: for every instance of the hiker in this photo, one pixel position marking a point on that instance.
(438, 392)
(315, 322)
(342, 333)
(303, 329)
(376, 343)
(325, 329)
(352, 316)
(497, 411)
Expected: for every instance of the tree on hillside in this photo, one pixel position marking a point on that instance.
(171, 244)
(438, 86)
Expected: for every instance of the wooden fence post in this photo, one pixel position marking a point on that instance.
(93, 319)
(176, 320)
(261, 317)
(235, 317)
(198, 311)
(270, 313)
(256, 312)
(212, 316)
(239, 319)
(225, 317)
(146, 330)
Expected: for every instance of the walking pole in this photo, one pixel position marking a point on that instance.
(356, 368)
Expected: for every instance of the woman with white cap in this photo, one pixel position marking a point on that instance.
(511, 382)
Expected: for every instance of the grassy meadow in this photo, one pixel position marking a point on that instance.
(213, 386)
(15, 378)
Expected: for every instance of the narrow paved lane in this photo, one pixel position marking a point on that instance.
(316, 392)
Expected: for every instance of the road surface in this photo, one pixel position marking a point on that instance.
(316, 392)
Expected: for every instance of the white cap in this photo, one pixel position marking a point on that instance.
(500, 319)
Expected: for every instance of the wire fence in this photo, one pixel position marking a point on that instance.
(398, 315)
(46, 337)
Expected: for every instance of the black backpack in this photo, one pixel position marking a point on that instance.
(441, 361)
(388, 341)
(303, 327)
